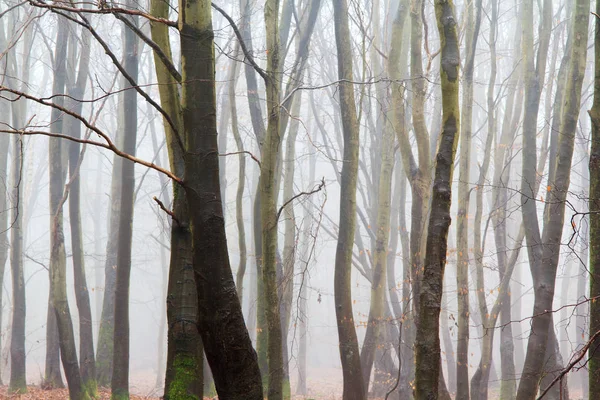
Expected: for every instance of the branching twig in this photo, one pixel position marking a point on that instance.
(108, 145)
(165, 209)
(315, 190)
(247, 54)
(572, 364)
(242, 152)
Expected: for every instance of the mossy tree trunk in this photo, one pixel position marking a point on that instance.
(427, 343)
(184, 370)
(268, 204)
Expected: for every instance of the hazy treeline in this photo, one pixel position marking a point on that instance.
(250, 199)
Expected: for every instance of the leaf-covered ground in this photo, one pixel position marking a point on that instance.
(36, 393)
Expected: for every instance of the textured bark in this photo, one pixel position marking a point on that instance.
(120, 372)
(427, 343)
(594, 210)
(221, 324)
(354, 388)
(544, 251)
(268, 205)
(184, 369)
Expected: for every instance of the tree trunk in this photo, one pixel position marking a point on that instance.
(354, 388)
(105, 350)
(594, 210)
(185, 361)
(120, 372)
(73, 128)
(226, 341)
(427, 344)
(18, 384)
(462, 228)
(544, 250)
(58, 257)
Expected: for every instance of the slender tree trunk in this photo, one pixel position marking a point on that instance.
(462, 228)
(105, 350)
(120, 372)
(58, 257)
(73, 128)
(4, 202)
(268, 205)
(354, 387)
(427, 344)
(302, 296)
(18, 384)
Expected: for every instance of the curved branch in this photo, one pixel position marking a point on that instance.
(315, 190)
(247, 54)
(108, 145)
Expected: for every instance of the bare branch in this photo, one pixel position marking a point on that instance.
(258, 69)
(242, 152)
(102, 10)
(315, 190)
(165, 209)
(108, 145)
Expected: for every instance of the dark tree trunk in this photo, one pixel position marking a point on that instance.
(226, 341)
(354, 386)
(120, 373)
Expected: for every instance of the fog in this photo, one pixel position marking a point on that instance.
(470, 235)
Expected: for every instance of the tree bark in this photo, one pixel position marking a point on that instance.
(221, 324)
(427, 344)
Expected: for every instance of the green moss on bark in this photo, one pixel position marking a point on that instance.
(185, 374)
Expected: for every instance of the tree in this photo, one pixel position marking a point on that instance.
(427, 341)
(221, 324)
(354, 387)
(594, 210)
(544, 250)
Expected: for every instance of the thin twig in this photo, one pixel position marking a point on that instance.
(569, 367)
(247, 54)
(242, 152)
(317, 189)
(103, 10)
(165, 209)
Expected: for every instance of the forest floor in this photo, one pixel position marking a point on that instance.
(37, 393)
